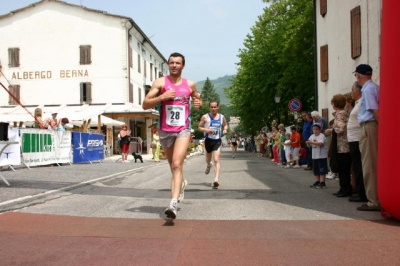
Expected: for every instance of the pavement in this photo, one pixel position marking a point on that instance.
(291, 232)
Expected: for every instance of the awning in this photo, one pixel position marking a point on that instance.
(104, 120)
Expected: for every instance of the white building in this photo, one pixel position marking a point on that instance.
(348, 34)
(69, 57)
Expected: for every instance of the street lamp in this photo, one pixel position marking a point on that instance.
(277, 100)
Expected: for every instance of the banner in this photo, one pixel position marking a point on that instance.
(12, 154)
(87, 147)
(41, 146)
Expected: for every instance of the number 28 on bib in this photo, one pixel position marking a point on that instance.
(175, 115)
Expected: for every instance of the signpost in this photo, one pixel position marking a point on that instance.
(295, 105)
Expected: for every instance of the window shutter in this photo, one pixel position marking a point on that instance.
(144, 68)
(81, 87)
(151, 71)
(324, 63)
(140, 96)
(88, 92)
(15, 91)
(13, 57)
(85, 57)
(325, 113)
(130, 56)
(355, 17)
(139, 69)
(323, 7)
(130, 93)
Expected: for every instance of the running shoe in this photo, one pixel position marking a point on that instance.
(296, 166)
(172, 210)
(216, 183)
(208, 168)
(321, 185)
(182, 194)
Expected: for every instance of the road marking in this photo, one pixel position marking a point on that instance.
(72, 186)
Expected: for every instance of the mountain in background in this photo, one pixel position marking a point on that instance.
(219, 85)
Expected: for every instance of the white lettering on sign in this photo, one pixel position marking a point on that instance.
(94, 143)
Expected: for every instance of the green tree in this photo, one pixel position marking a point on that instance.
(208, 92)
(277, 58)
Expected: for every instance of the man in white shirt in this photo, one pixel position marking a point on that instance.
(353, 136)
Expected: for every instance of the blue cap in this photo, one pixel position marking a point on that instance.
(316, 125)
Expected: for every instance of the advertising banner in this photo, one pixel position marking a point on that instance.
(87, 147)
(41, 147)
(11, 155)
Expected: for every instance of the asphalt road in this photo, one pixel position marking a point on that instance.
(251, 189)
(112, 213)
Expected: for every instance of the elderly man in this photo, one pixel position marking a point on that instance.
(353, 136)
(368, 118)
(320, 120)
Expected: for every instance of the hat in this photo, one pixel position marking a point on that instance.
(364, 69)
(316, 125)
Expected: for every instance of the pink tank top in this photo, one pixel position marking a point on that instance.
(174, 116)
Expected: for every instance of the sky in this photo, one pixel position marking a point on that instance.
(209, 33)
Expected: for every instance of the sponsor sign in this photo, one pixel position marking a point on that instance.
(41, 146)
(87, 147)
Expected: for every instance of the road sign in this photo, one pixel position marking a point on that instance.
(295, 105)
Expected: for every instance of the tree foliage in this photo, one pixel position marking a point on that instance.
(277, 59)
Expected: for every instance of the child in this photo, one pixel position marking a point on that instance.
(288, 149)
(317, 142)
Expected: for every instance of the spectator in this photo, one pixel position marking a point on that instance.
(368, 118)
(52, 122)
(295, 140)
(342, 154)
(353, 136)
(61, 126)
(124, 142)
(307, 131)
(320, 120)
(317, 142)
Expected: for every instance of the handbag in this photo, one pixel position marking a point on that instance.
(333, 162)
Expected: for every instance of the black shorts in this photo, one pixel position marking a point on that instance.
(212, 145)
(320, 166)
(234, 144)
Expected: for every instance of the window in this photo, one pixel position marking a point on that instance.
(15, 98)
(355, 16)
(324, 63)
(13, 57)
(323, 7)
(86, 92)
(130, 93)
(85, 54)
(139, 66)
(140, 96)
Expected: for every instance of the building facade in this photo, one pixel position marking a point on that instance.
(58, 54)
(348, 33)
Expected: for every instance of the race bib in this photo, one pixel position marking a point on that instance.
(215, 133)
(175, 115)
